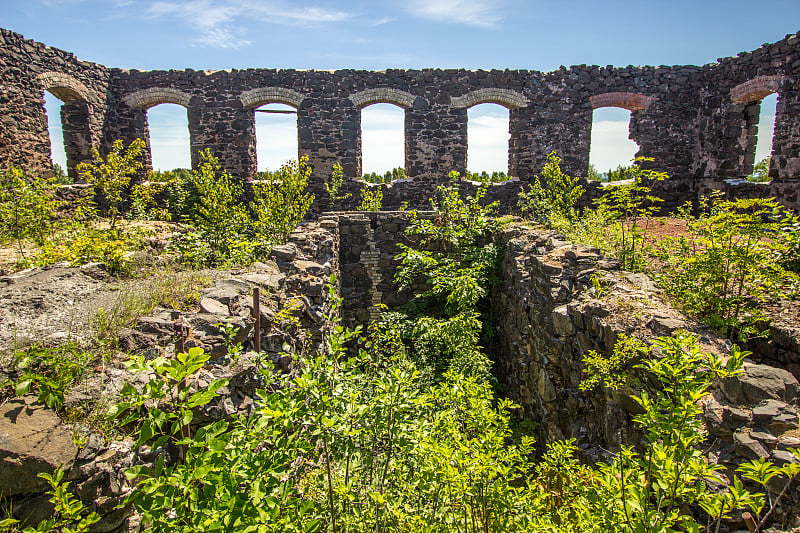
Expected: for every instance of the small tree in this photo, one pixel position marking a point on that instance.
(113, 175)
(26, 208)
(630, 207)
(371, 199)
(334, 184)
(281, 203)
(553, 195)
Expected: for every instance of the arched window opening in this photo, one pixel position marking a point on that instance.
(382, 143)
(58, 154)
(276, 136)
(610, 148)
(487, 142)
(764, 134)
(169, 137)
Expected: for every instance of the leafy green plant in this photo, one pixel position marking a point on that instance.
(81, 242)
(731, 258)
(651, 490)
(629, 208)
(222, 217)
(112, 176)
(371, 199)
(67, 515)
(164, 406)
(27, 208)
(281, 203)
(760, 171)
(49, 371)
(551, 196)
(334, 185)
(450, 271)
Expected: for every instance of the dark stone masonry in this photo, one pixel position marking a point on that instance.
(698, 122)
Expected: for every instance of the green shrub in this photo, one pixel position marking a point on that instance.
(282, 202)
(27, 208)
(49, 371)
(551, 196)
(334, 185)
(371, 199)
(112, 176)
(760, 171)
(628, 208)
(731, 258)
(450, 270)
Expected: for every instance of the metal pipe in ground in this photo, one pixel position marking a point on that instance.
(257, 317)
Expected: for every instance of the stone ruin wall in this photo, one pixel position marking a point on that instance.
(698, 123)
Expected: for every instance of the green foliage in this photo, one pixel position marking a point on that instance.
(397, 173)
(27, 208)
(282, 202)
(760, 171)
(625, 172)
(67, 515)
(651, 490)
(551, 196)
(484, 177)
(594, 175)
(164, 407)
(49, 371)
(112, 176)
(334, 185)
(732, 257)
(60, 176)
(85, 241)
(222, 217)
(454, 261)
(347, 445)
(371, 199)
(629, 208)
(611, 371)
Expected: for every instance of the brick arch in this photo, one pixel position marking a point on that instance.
(383, 95)
(65, 87)
(756, 89)
(271, 95)
(504, 97)
(147, 98)
(625, 100)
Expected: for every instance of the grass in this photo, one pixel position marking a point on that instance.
(140, 296)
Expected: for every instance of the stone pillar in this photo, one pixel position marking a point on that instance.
(785, 163)
(75, 123)
(563, 127)
(329, 131)
(227, 129)
(436, 141)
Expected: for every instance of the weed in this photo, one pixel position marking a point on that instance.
(139, 297)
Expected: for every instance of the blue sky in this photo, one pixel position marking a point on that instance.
(534, 34)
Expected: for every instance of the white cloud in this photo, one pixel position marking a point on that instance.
(610, 145)
(382, 139)
(476, 13)
(276, 138)
(218, 23)
(487, 138)
(169, 136)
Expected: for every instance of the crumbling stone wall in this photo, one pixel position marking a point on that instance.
(697, 122)
(27, 69)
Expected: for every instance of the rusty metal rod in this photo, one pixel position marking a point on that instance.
(257, 317)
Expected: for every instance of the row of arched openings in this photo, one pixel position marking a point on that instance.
(383, 144)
